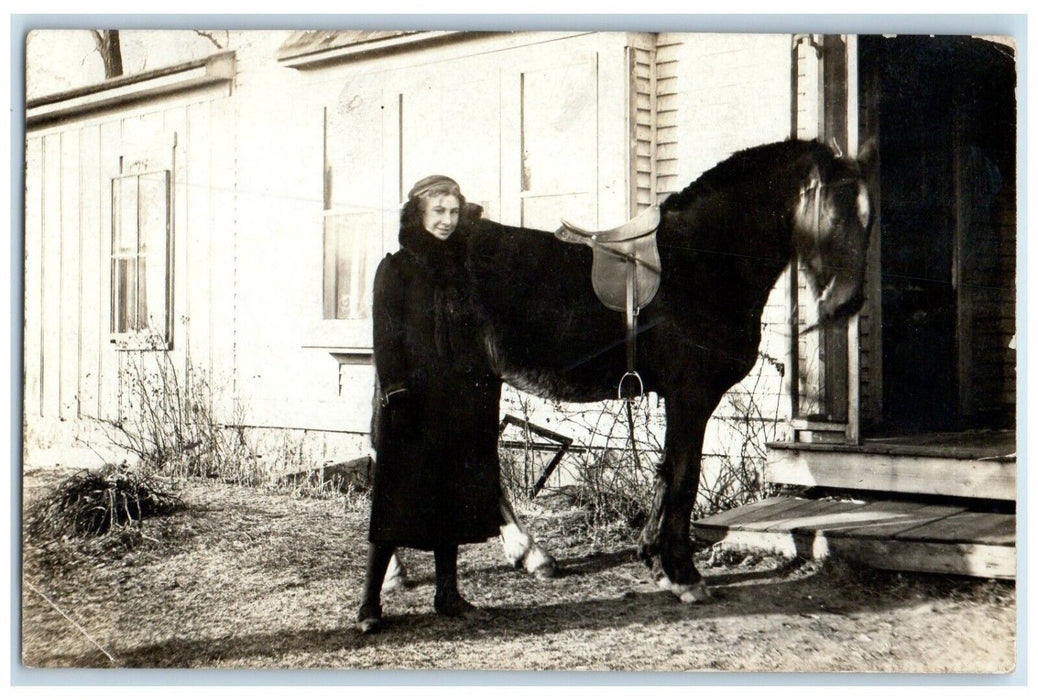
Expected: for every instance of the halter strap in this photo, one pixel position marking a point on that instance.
(816, 186)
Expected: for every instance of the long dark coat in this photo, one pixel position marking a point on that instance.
(436, 479)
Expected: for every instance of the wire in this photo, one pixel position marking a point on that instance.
(74, 623)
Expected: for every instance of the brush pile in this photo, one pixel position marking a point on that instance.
(97, 502)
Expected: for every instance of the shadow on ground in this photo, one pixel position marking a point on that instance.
(734, 594)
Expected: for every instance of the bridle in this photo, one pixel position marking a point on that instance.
(817, 187)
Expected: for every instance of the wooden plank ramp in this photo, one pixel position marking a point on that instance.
(887, 534)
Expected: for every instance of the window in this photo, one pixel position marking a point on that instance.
(352, 217)
(559, 125)
(347, 266)
(140, 259)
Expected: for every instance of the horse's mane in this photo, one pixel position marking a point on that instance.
(746, 166)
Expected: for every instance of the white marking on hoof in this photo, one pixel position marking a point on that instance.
(695, 593)
(664, 582)
(539, 563)
(516, 544)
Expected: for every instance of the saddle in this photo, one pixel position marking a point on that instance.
(625, 274)
(628, 250)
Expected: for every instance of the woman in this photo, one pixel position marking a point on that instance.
(436, 481)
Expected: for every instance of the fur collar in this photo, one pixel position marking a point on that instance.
(444, 259)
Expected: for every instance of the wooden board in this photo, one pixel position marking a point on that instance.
(70, 288)
(815, 515)
(93, 244)
(898, 473)
(51, 282)
(887, 519)
(928, 557)
(780, 543)
(982, 528)
(751, 513)
(892, 535)
(33, 281)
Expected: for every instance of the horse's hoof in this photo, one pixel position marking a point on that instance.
(696, 593)
(547, 570)
(453, 605)
(541, 564)
(369, 619)
(371, 625)
(686, 593)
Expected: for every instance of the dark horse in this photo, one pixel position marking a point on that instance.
(723, 242)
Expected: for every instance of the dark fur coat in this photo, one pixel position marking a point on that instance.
(436, 478)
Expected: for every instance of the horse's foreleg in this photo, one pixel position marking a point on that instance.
(665, 543)
(521, 549)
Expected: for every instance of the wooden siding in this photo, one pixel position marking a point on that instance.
(668, 49)
(110, 361)
(72, 369)
(33, 260)
(643, 109)
(808, 91)
(807, 106)
(93, 203)
(988, 297)
(50, 284)
(870, 319)
(735, 94)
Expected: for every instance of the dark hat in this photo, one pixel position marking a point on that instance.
(431, 182)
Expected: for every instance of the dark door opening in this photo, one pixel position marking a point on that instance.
(946, 116)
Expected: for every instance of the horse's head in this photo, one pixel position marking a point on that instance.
(831, 222)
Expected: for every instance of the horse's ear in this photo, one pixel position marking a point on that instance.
(472, 212)
(868, 157)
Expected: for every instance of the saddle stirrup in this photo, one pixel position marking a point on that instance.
(631, 318)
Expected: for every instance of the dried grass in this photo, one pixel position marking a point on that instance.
(99, 502)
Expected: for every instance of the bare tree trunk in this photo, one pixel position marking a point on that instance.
(209, 35)
(108, 46)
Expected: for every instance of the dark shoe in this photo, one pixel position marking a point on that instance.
(369, 619)
(453, 605)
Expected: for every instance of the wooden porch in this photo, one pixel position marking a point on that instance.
(930, 503)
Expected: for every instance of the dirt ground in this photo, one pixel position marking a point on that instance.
(246, 578)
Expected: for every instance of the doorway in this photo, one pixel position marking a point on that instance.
(945, 118)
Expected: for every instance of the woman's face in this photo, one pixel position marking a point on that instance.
(440, 215)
